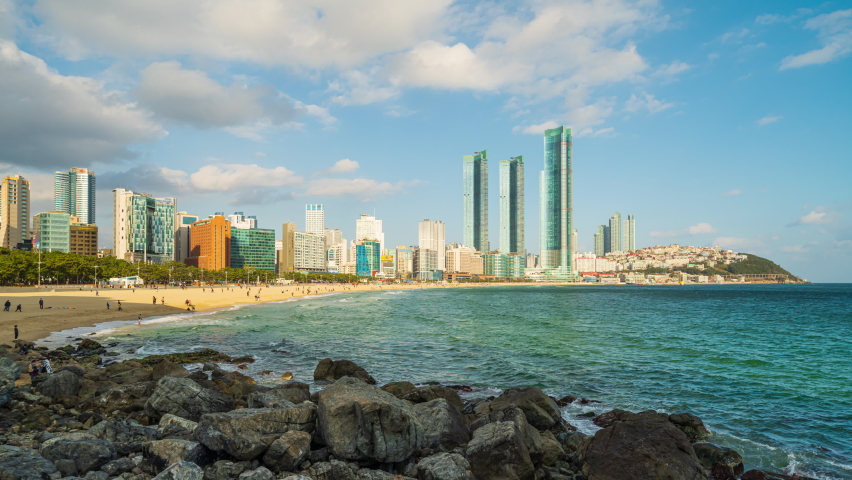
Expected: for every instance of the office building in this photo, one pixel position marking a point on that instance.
(287, 254)
(367, 258)
(83, 238)
(504, 266)
(14, 211)
(143, 227)
(367, 227)
(210, 244)
(404, 261)
(616, 236)
(52, 232)
(515, 265)
(556, 201)
(630, 233)
(475, 200)
(240, 220)
(314, 219)
(74, 194)
(253, 248)
(309, 252)
(600, 241)
(388, 263)
(183, 232)
(532, 260)
(336, 255)
(426, 264)
(512, 205)
(432, 236)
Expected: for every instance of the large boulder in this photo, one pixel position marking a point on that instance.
(185, 398)
(646, 445)
(292, 392)
(530, 435)
(60, 384)
(24, 464)
(498, 452)
(443, 466)
(331, 370)
(127, 435)
(398, 389)
(288, 451)
(361, 422)
(432, 392)
(169, 369)
(260, 473)
(181, 471)
(247, 433)
(444, 426)
(126, 398)
(225, 470)
(723, 463)
(690, 425)
(157, 455)
(87, 452)
(541, 411)
(172, 426)
(9, 373)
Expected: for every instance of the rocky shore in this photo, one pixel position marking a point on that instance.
(155, 418)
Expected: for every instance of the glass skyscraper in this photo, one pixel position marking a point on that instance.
(631, 233)
(616, 234)
(74, 194)
(253, 248)
(600, 249)
(512, 205)
(475, 178)
(144, 227)
(556, 203)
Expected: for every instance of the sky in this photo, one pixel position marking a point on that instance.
(721, 123)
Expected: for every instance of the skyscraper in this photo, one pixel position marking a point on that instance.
(600, 245)
(52, 230)
(512, 205)
(475, 200)
(210, 247)
(367, 227)
(556, 203)
(432, 237)
(74, 194)
(314, 219)
(616, 234)
(631, 232)
(14, 211)
(143, 227)
(183, 227)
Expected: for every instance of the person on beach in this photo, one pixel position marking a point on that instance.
(119, 306)
(155, 300)
(45, 366)
(139, 319)
(41, 304)
(107, 305)
(7, 305)
(16, 332)
(18, 309)
(97, 293)
(163, 301)
(33, 370)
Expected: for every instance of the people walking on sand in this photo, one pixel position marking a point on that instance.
(107, 305)
(139, 319)
(41, 304)
(119, 306)
(7, 305)
(163, 301)
(18, 309)
(155, 300)
(97, 293)
(16, 332)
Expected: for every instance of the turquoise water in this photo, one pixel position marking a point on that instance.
(768, 368)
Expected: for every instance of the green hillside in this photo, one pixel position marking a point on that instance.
(755, 265)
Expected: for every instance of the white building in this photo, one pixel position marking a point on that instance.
(463, 259)
(240, 221)
(338, 255)
(314, 219)
(309, 252)
(367, 227)
(74, 194)
(432, 237)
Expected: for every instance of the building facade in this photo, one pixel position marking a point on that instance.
(367, 227)
(52, 232)
(14, 211)
(84, 238)
(74, 194)
(616, 234)
(630, 233)
(309, 252)
(600, 241)
(556, 200)
(367, 258)
(210, 244)
(240, 220)
(426, 264)
(512, 205)
(432, 236)
(475, 200)
(404, 261)
(183, 232)
(253, 247)
(143, 227)
(314, 219)
(287, 254)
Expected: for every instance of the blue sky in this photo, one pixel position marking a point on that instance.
(715, 123)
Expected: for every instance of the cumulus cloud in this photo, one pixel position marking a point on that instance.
(648, 102)
(49, 120)
(732, 193)
(768, 119)
(341, 166)
(819, 216)
(834, 31)
(536, 129)
(363, 188)
(672, 69)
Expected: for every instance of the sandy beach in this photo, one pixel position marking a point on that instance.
(66, 308)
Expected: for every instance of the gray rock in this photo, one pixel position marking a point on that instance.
(541, 411)
(127, 435)
(444, 427)
(498, 452)
(531, 437)
(23, 464)
(159, 454)
(297, 477)
(126, 398)
(288, 451)
(282, 396)
(181, 471)
(247, 433)
(185, 398)
(443, 466)
(225, 470)
(367, 474)
(9, 373)
(551, 451)
(433, 392)
(97, 475)
(719, 459)
(60, 384)
(690, 425)
(169, 369)
(173, 426)
(260, 473)
(331, 370)
(398, 389)
(87, 452)
(66, 467)
(118, 466)
(332, 470)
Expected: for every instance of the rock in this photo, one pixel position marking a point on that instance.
(174, 426)
(73, 369)
(531, 437)
(646, 445)
(293, 392)
(9, 373)
(247, 433)
(24, 464)
(157, 455)
(541, 411)
(432, 392)
(288, 451)
(690, 425)
(66, 467)
(398, 389)
(361, 422)
(498, 452)
(126, 398)
(443, 466)
(297, 477)
(127, 435)
(119, 466)
(225, 470)
(96, 475)
(185, 398)
(181, 471)
(208, 367)
(610, 418)
(60, 384)
(260, 473)
(87, 452)
(89, 345)
(169, 369)
(724, 463)
(444, 427)
(551, 451)
(331, 370)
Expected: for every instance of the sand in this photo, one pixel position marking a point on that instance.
(66, 308)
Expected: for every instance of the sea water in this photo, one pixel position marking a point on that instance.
(767, 367)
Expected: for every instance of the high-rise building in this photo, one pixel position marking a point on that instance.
(367, 227)
(475, 200)
(616, 235)
(183, 227)
(367, 258)
(84, 238)
(52, 232)
(388, 260)
(426, 264)
(253, 247)
(143, 227)
(241, 221)
(630, 232)
(404, 261)
(287, 254)
(556, 201)
(532, 260)
(74, 194)
(600, 241)
(210, 247)
(432, 236)
(512, 205)
(314, 219)
(14, 211)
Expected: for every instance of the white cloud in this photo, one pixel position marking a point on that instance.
(768, 119)
(226, 177)
(736, 243)
(772, 18)
(51, 120)
(536, 129)
(341, 166)
(672, 69)
(732, 193)
(361, 88)
(735, 36)
(819, 216)
(648, 102)
(834, 31)
(700, 229)
(362, 188)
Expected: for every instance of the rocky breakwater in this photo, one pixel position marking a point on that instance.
(153, 418)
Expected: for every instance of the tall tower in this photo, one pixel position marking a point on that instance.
(367, 227)
(631, 232)
(14, 211)
(432, 237)
(556, 203)
(475, 178)
(143, 227)
(314, 219)
(616, 234)
(600, 250)
(74, 194)
(512, 205)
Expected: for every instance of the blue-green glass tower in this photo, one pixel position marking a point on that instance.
(253, 247)
(512, 205)
(556, 201)
(475, 178)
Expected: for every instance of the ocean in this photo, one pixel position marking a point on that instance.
(767, 367)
